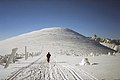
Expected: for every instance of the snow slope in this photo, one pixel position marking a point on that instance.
(54, 40)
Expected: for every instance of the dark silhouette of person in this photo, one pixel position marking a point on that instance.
(48, 57)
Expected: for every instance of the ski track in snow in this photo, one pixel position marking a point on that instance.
(41, 70)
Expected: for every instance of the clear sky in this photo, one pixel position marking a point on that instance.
(88, 17)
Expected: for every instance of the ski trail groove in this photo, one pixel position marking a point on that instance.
(77, 74)
(41, 70)
(74, 74)
(89, 75)
(64, 77)
(21, 69)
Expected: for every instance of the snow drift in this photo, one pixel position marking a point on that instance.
(54, 40)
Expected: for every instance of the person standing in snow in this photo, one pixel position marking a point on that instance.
(48, 57)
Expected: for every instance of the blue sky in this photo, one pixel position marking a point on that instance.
(88, 17)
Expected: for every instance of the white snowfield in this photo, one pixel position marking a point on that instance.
(67, 48)
(55, 70)
(54, 40)
(63, 67)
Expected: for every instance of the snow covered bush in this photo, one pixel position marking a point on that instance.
(85, 61)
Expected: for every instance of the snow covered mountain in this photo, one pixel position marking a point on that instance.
(54, 40)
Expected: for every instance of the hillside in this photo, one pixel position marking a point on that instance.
(54, 40)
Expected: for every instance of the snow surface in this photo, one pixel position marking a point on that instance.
(54, 40)
(63, 67)
(67, 48)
